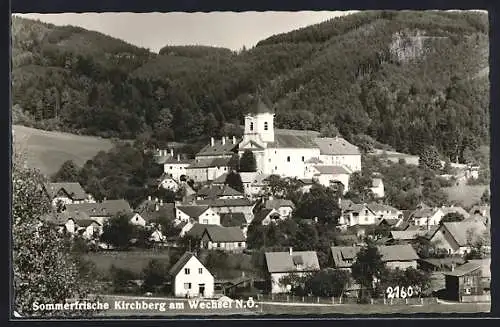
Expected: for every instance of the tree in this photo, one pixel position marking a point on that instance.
(368, 269)
(485, 197)
(452, 217)
(69, 173)
(429, 158)
(155, 274)
(321, 203)
(121, 278)
(328, 283)
(234, 162)
(118, 231)
(360, 188)
(44, 268)
(233, 179)
(247, 162)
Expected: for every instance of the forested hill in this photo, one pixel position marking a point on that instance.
(403, 78)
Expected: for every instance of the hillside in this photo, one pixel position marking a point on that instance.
(407, 79)
(47, 151)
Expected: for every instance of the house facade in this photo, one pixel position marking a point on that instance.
(67, 193)
(222, 206)
(281, 264)
(378, 188)
(330, 175)
(197, 213)
(228, 239)
(427, 217)
(283, 206)
(455, 237)
(190, 278)
(358, 214)
(464, 281)
(175, 167)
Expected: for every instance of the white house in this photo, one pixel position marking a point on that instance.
(329, 176)
(283, 206)
(280, 264)
(283, 152)
(175, 167)
(67, 193)
(358, 214)
(267, 216)
(206, 170)
(198, 213)
(169, 183)
(427, 216)
(456, 237)
(229, 239)
(190, 278)
(221, 206)
(136, 219)
(384, 211)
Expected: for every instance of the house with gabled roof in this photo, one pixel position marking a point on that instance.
(456, 237)
(228, 239)
(281, 264)
(174, 167)
(426, 217)
(466, 281)
(483, 210)
(285, 207)
(67, 193)
(204, 169)
(200, 214)
(267, 216)
(233, 219)
(357, 214)
(212, 192)
(168, 182)
(100, 211)
(385, 211)
(244, 205)
(332, 176)
(190, 278)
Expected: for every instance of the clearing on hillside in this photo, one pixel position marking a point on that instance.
(47, 151)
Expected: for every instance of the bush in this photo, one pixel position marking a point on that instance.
(122, 280)
(155, 275)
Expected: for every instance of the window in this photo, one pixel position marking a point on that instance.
(200, 271)
(251, 126)
(187, 286)
(218, 245)
(467, 291)
(269, 159)
(302, 158)
(288, 159)
(170, 167)
(366, 212)
(266, 127)
(239, 245)
(186, 271)
(205, 221)
(275, 167)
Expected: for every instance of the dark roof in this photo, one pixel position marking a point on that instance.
(207, 163)
(221, 180)
(332, 170)
(74, 190)
(404, 235)
(455, 209)
(216, 191)
(232, 219)
(335, 146)
(166, 210)
(177, 267)
(106, 208)
(193, 211)
(219, 149)
(85, 222)
(423, 213)
(284, 262)
(226, 202)
(197, 230)
(291, 141)
(464, 269)
(224, 234)
(278, 203)
(173, 160)
(389, 221)
(314, 160)
(381, 207)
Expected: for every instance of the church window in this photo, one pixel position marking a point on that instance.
(302, 158)
(266, 126)
(251, 126)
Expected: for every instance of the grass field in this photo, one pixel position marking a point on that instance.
(47, 151)
(134, 261)
(467, 195)
(266, 308)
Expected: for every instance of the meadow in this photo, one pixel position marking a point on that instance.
(466, 195)
(47, 150)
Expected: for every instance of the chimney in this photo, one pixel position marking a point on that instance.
(290, 250)
(171, 152)
(156, 199)
(212, 141)
(242, 274)
(157, 207)
(178, 157)
(161, 202)
(234, 139)
(149, 198)
(452, 266)
(316, 220)
(223, 140)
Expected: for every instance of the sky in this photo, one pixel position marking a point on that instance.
(221, 29)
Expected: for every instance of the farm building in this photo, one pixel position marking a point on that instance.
(465, 283)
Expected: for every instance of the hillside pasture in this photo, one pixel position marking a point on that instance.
(47, 150)
(466, 195)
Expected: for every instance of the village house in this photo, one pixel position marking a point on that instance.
(482, 210)
(332, 176)
(190, 278)
(200, 214)
(456, 237)
(283, 206)
(282, 152)
(465, 283)
(384, 211)
(67, 193)
(357, 214)
(215, 237)
(168, 183)
(306, 184)
(394, 256)
(253, 183)
(206, 170)
(426, 217)
(455, 209)
(175, 167)
(211, 192)
(100, 211)
(221, 206)
(280, 264)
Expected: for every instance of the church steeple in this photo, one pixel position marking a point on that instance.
(260, 103)
(259, 121)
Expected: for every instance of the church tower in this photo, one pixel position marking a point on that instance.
(259, 122)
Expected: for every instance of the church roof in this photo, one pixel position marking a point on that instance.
(290, 140)
(336, 146)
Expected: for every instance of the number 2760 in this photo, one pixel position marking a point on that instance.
(400, 292)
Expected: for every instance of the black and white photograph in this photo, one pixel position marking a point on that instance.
(244, 165)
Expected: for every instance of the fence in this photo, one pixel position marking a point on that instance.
(343, 300)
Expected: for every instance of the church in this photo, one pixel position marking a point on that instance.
(288, 153)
